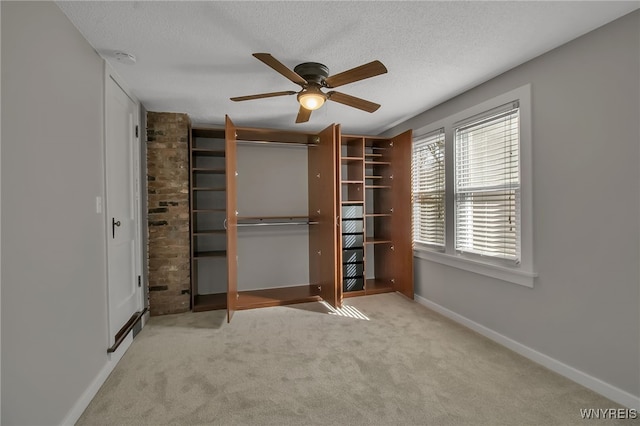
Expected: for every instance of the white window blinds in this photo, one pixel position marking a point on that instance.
(487, 184)
(428, 189)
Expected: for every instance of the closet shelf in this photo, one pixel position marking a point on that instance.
(210, 253)
(274, 220)
(378, 163)
(376, 240)
(204, 152)
(209, 302)
(373, 286)
(270, 217)
(373, 177)
(351, 202)
(202, 188)
(208, 210)
(352, 181)
(208, 132)
(204, 170)
(209, 232)
(352, 159)
(250, 299)
(377, 186)
(377, 215)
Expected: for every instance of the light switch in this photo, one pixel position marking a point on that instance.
(98, 205)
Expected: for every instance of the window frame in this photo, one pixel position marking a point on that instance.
(521, 273)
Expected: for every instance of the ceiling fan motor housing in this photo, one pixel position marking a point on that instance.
(313, 72)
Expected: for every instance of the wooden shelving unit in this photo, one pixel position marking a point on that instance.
(352, 191)
(385, 213)
(208, 206)
(361, 184)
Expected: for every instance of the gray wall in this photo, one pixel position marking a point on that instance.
(54, 319)
(584, 308)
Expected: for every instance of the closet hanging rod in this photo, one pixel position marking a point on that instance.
(276, 223)
(288, 144)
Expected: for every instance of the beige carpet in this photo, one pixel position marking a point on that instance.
(301, 365)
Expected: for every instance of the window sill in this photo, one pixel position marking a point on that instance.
(516, 276)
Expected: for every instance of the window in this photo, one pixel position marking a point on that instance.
(487, 184)
(428, 189)
(472, 194)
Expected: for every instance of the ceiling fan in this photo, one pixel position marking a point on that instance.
(312, 77)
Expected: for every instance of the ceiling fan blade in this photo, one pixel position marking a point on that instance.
(263, 95)
(281, 68)
(303, 115)
(355, 74)
(352, 101)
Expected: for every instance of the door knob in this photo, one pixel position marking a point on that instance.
(113, 227)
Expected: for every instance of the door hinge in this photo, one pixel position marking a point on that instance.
(136, 130)
(139, 281)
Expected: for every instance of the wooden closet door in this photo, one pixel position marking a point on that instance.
(337, 162)
(323, 241)
(232, 220)
(401, 218)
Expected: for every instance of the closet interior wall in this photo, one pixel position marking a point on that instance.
(272, 197)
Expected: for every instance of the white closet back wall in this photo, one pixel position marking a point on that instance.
(272, 181)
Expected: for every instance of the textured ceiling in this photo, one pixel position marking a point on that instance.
(193, 56)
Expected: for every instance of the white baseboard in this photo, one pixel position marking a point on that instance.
(83, 402)
(605, 389)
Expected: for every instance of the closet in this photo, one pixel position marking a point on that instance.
(281, 217)
(319, 218)
(375, 201)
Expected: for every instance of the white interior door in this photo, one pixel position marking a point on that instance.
(124, 294)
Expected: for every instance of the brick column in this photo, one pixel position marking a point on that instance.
(168, 212)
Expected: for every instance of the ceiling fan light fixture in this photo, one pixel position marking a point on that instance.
(311, 98)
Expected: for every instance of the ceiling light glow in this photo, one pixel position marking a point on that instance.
(311, 98)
